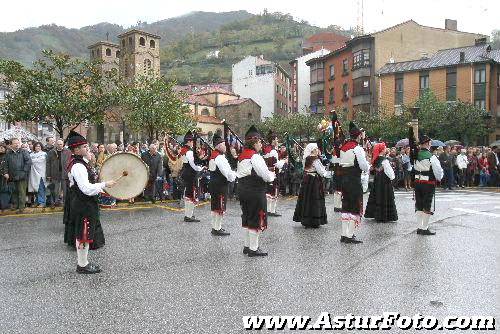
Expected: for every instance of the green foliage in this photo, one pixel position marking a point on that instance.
(461, 121)
(59, 90)
(495, 39)
(154, 107)
(299, 126)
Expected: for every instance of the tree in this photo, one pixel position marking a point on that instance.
(153, 106)
(495, 39)
(62, 91)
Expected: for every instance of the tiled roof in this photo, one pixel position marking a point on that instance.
(208, 119)
(445, 58)
(201, 100)
(215, 90)
(234, 102)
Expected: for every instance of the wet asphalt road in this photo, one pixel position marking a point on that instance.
(162, 275)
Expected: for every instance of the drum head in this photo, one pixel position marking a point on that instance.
(128, 186)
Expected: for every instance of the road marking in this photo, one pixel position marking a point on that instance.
(489, 214)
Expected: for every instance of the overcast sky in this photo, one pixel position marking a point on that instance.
(473, 15)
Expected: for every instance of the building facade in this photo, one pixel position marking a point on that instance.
(267, 83)
(323, 40)
(469, 74)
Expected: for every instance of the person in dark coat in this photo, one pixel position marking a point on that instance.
(19, 166)
(155, 163)
(5, 190)
(57, 161)
(189, 174)
(253, 179)
(310, 209)
(81, 208)
(381, 205)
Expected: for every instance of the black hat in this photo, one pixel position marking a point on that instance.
(188, 136)
(353, 130)
(75, 139)
(271, 136)
(422, 139)
(252, 133)
(216, 140)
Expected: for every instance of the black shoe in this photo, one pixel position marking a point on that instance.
(258, 252)
(220, 232)
(343, 239)
(191, 220)
(353, 240)
(425, 232)
(337, 209)
(88, 269)
(273, 214)
(246, 250)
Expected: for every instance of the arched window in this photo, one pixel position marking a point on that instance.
(93, 53)
(152, 44)
(118, 54)
(205, 112)
(142, 41)
(108, 52)
(147, 66)
(123, 42)
(250, 116)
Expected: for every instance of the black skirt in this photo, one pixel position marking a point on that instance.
(381, 205)
(310, 209)
(253, 202)
(352, 194)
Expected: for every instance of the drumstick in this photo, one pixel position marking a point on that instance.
(125, 173)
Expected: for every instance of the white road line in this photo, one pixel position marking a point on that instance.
(489, 214)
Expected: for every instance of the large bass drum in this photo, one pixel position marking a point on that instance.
(130, 171)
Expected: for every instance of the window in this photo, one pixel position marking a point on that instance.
(118, 54)
(205, 112)
(331, 96)
(480, 75)
(345, 92)
(142, 41)
(108, 52)
(123, 42)
(398, 89)
(130, 42)
(361, 58)
(345, 66)
(250, 72)
(317, 74)
(250, 116)
(92, 53)
(277, 89)
(332, 72)
(278, 104)
(451, 84)
(147, 66)
(317, 98)
(479, 85)
(424, 82)
(152, 44)
(480, 104)
(361, 86)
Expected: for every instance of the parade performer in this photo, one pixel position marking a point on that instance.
(275, 165)
(189, 174)
(427, 171)
(310, 209)
(81, 209)
(253, 177)
(220, 177)
(381, 205)
(352, 163)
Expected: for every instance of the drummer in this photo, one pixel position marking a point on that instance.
(81, 209)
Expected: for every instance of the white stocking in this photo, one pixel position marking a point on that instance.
(425, 221)
(420, 217)
(269, 203)
(337, 199)
(246, 237)
(82, 254)
(254, 240)
(188, 208)
(350, 228)
(344, 223)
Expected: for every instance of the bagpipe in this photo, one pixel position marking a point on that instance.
(231, 138)
(293, 159)
(332, 136)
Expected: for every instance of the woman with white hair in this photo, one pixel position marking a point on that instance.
(310, 209)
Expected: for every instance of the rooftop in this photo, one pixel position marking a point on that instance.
(215, 90)
(201, 100)
(445, 58)
(208, 119)
(107, 43)
(234, 102)
(137, 31)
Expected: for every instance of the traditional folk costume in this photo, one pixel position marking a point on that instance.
(220, 177)
(381, 205)
(427, 171)
(81, 209)
(253, 177)
(310, 209)
(275, 165)
(189, 174)
(352, 162)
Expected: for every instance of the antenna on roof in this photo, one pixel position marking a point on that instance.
(107, 36)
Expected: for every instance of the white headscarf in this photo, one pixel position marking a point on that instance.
(308, 150)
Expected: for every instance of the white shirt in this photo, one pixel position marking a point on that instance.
(320, 169)
(462, 161)
(221, 162)
(81, 176)
(388, 169)
(361, 157)
(189, 158)
(256, 163)
(279, 163)
(436, 168)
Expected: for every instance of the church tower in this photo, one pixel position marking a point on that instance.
(139, 54)
(106, 51)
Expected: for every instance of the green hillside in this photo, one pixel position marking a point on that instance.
(276, 36)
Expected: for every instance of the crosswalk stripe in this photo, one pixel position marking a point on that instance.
(489, 214)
